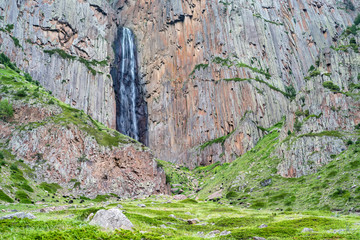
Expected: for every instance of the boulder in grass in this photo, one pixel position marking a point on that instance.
(18, 215)
(307, 230)
(111, 219)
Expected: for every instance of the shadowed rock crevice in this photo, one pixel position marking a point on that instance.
(131, 108)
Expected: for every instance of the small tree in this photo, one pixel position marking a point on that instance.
(6, 109)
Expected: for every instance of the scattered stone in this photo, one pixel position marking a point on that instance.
(187, 213)
(224, 233)
(2, 66)
(71, 201)
(174, 190)
(163, 226)
(3, 210)
(18, 215)
(216, 194)
(192, 221)
(119, 206)
(141, 205)
(259, 238)
(318, 177)
(212, 234)
(180, 197)
(13, 210)
(82, 201)
(266, 182)
(307, 230)
(172, 215)
(69, 216)
(263, 226)
(176, 185)
(111, 219)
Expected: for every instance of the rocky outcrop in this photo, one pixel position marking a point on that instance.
(72, 157)
(63, 145)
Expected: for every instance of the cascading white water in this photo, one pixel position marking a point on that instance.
(126, 85)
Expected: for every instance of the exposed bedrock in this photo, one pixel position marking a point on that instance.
(215, 73)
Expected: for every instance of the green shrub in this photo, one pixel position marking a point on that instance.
(297, 125)
(357, 20)
(231, 194)
(21, 93)
(339, 193)
(86, 212)
(290, 91)
(4, 197)
(26, 187)
(6, 109)
(101, 198)
(189, 200)
(50, 187)
(331, 86)
(22, 197)
(6, 61)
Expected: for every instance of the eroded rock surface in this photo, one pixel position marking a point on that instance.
(111, 219)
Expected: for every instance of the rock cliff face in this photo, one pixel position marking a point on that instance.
(65, 146)
(217, 74)
(66, 46)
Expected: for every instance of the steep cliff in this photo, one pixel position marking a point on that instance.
(63, 145)
(216, 74)
(66, 46)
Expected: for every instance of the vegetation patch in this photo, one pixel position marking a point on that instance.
(50, 187)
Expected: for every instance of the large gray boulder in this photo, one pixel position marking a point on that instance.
(111, 219)
(18, 215)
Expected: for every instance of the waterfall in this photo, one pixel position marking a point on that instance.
(131, 109)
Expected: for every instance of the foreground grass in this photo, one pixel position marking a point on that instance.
(154, 222)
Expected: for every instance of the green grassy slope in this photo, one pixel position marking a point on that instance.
(154, 222)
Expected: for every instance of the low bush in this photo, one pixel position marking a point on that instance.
(6, 109)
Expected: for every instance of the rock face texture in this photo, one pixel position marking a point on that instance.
(111, 219)
(73, 158)
(216, 74)
(83, 31)
(216, 71)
